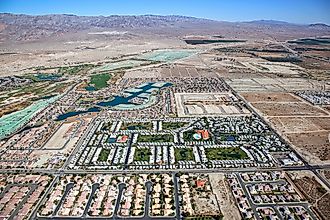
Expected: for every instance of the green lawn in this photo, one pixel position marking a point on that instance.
(142, 154)
(184, 154)
(103, 156)
(156, 138)
(228, 153)
(173, 125)
(71, 70)
(100, 80)
(136, 126)
(188, 135)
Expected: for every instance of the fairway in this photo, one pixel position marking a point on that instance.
(100, 80)
(228, 153)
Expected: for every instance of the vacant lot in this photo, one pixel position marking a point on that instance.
(313, 191)
(267, 84)
(288, 109)
(316, 143)
(61, 136)
(306, 126)
(270, 97)
(208, 104)
(184, 71)
(300, 124)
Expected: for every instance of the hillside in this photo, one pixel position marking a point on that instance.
(19, 27)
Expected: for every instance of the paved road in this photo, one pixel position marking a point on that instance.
(95, 186)
(129, 144)
(249, 199)
(121, 187)
(81, 140)
(272, 205)
(206, 170)
(67, 189)
(177, 200)
(147, 202)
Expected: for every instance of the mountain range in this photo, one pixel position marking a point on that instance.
(20, 27)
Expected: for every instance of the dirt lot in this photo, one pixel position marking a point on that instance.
(184, 71)
(306, 126)
(224, 196)
(274, 84)
(289, 109)
(300, 124)
(61, 136)
(326, 173)
(270, 97)
(316, 143)
(314, 192)
(323, 123)
(327, 108)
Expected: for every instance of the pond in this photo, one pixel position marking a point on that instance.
(207, 41)
(90, 88)
(75, 113)
(146, 92)
(47, 77)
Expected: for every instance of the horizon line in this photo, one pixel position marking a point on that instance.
(167, 15)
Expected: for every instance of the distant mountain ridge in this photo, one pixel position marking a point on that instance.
(20, 27)
(319, 25)
(275, 22)
(270, 22)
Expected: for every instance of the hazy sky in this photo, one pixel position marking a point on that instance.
(296, 11)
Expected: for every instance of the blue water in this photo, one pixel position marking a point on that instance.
(125, 100)
(112, 140)
(117, 100)
(231, 138)
(47, 77)
(90, 88)
(71, 114)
